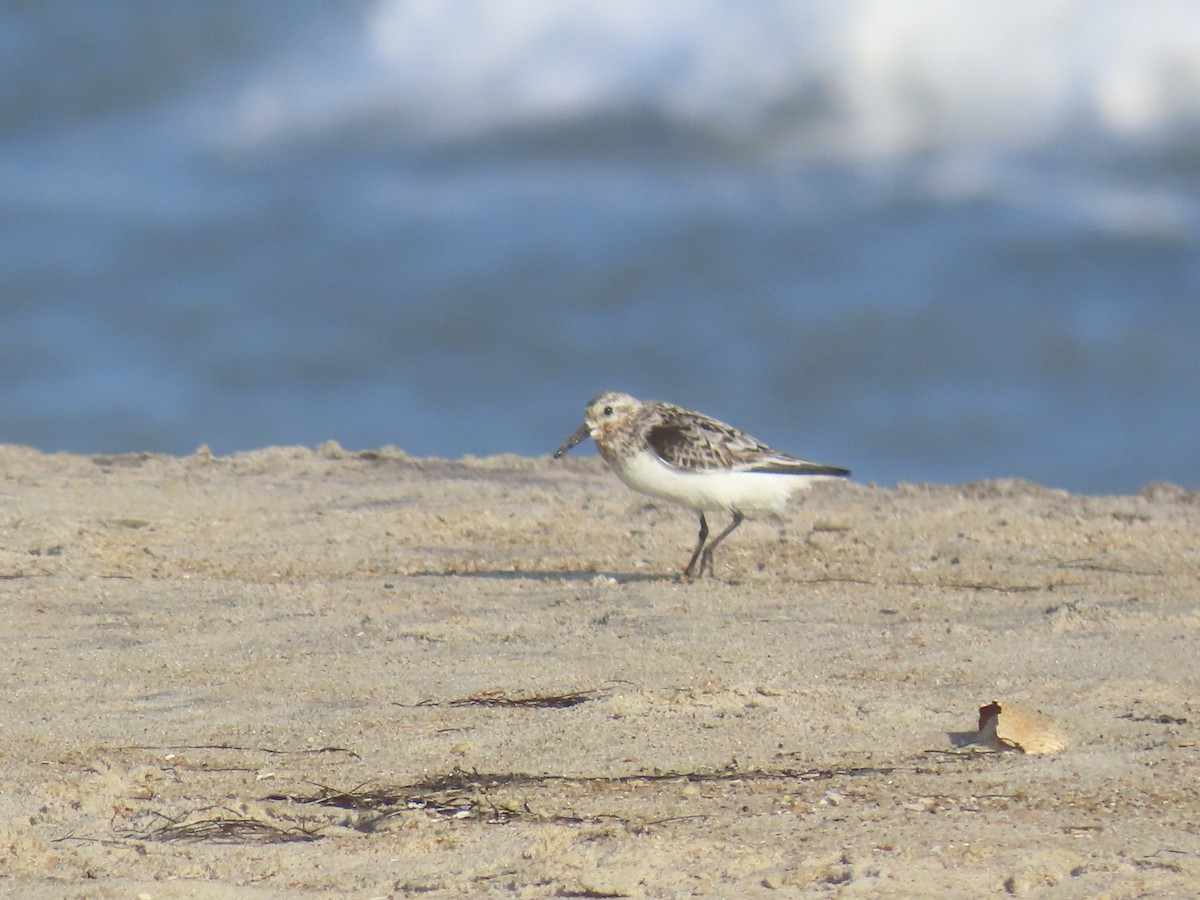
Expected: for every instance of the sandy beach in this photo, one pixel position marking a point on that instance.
(298, 672)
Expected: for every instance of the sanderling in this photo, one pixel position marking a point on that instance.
(689, 458)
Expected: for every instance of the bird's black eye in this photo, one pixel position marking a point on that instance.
(608, 410)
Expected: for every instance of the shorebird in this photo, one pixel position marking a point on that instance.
(692, 459)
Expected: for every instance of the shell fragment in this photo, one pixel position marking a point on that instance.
(1010, 726)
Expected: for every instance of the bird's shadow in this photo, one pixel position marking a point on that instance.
(546, 575)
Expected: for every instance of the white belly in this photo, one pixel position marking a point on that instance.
(714, 489)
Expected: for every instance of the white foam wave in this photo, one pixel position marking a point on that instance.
(858, 77)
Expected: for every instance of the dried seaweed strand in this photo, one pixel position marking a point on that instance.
(238, 749)
(500, 699)
(226, 830)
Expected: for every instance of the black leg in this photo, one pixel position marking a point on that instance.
(687, 572)
(706, 558)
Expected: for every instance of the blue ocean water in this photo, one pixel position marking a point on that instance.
(930, 241)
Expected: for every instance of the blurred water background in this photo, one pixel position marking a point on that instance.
(933, 240)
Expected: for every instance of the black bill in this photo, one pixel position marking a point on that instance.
(582, 434)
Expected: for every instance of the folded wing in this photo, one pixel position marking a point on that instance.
(693, 443)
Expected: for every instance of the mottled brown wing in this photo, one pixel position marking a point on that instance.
(690, 441)
(688, 448)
